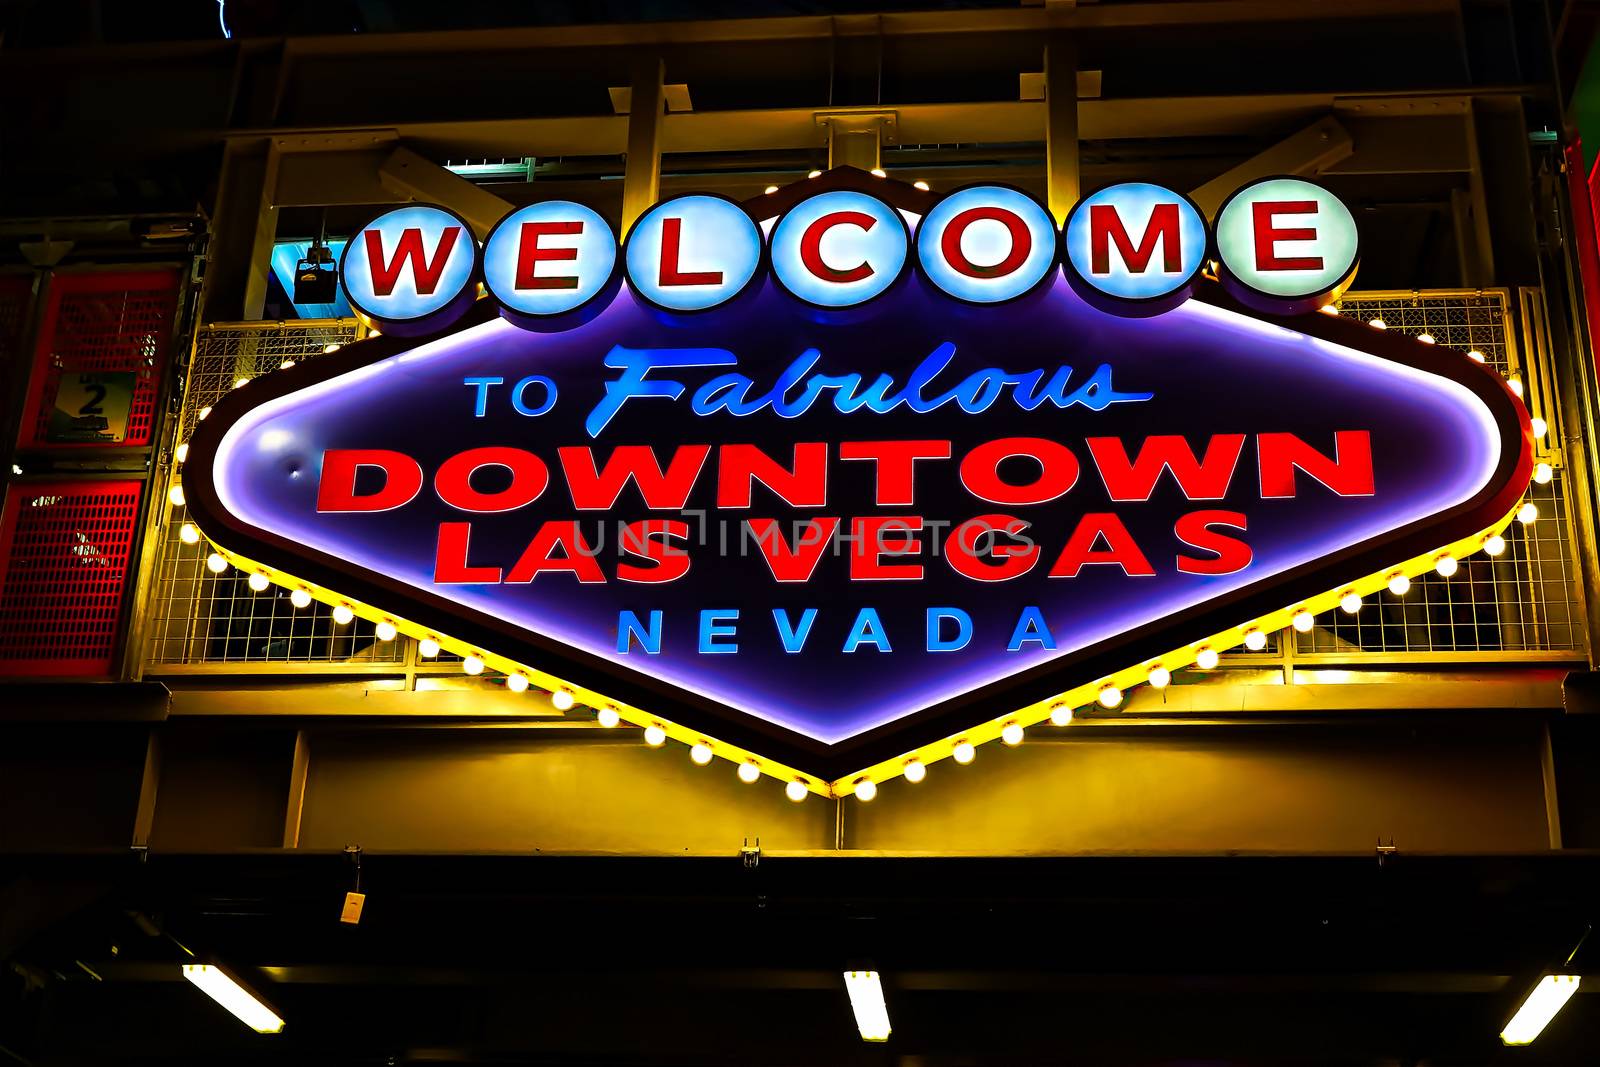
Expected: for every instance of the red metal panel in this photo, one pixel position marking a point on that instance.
(64, 558)
(98, 323)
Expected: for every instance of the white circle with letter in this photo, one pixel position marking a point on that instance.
(987, 244)
(839, 249)
(1134, 247)
(1286, 244)
(409, 264)
(692, 252)
(548, 258)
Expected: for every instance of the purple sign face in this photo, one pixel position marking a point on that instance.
(831, 537)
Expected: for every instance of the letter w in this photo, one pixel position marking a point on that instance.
(1200, 479)
(409, 250)
(597, 490)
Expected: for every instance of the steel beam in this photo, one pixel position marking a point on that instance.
(1061, 131)
(641, 181)
(416, 178)
(1311, 151)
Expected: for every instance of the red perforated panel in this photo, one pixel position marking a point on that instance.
(105, 325)
(64, 552)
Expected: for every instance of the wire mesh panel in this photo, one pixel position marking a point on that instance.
(104, 341)
(64, 549)
(196, 616)
(1526, 600)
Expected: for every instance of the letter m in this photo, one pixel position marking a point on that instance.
(1105, 226)
(409, 250)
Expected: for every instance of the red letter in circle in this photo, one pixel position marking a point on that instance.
(402, 478)
(1105, 226)
(529, 253)
(671, 233)
(409, 250)
(1021, 242)
(453, 482)
(1262, 214)
(811, 246)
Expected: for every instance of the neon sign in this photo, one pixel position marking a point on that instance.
(852, 479)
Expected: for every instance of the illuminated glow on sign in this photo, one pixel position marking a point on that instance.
(692, 253)
(965, 518)
(839, 248)
(549, 258)
(1286, 244)
(1134, 248)
(412, 267)
(987, 244)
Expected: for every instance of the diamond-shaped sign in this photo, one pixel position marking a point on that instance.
(828, 542)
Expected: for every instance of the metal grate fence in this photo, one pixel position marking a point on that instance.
(1525, 604)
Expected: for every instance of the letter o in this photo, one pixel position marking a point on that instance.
(520, 388)
(1058, 470)
(529, 477)
(987, 244)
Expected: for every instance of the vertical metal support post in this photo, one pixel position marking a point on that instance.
(1552, 799)
(641, 180)
(299, 770)
(144, 818)
(1061, 123)
(855, 144)
(239, 258)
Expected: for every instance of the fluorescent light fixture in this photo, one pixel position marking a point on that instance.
(866, 1000)
(1541, 1006)
(232, 994)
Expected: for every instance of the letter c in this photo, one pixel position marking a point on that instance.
(811, 246)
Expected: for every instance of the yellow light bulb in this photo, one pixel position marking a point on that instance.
(1255, 640)
(608, 717)
(427, 648)
(342, 615)
(1011, 734)
(749, 773)
(1061, 715)
(1159, 677)
(472, 665)
(796, 791)
(1303, 621)
(866, 789)
(386, 631)
(258, 583)
(654, 736)
(916, 771)
(700, 753)
(517, 683)
(175, 495)
(1494, 545)
(216, 563)
(964, 753)
(1399, 584)
(562, 700)
(1350, 603)
(1109, 696)
(1206, 658)
(188, 533)
(1527, 513)
(1446, 566)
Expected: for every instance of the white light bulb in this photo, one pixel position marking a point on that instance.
(1425, 338)
(1159, 677)
(964, 753)
(1446, 566)
(878, 172)
(175, 495)
(866, 789)
(1538, 426)
(300, 598)
(517, 683)
(181, 453)
(1303, 621)
(655, 736)
(1494, 545)
(1206, 658)
(216, 563)
(814, 174)
(472, 665)
(1109, 696)
(427, 648)
(796, 791)
(286, 364)
(562, 700)
(916, 771)
(1476, 355)
(1255, 640)
(1350, 603)
(342, 615)
(1061, 715)
(608, 717)
(1329, 309)
(771, 189)
(238, 382)
(1011, 734)
(1543, 473)
(1399, 585)
(385, 631)
(1515, 385)
(700, 753)
(188, 533)
(749, 773)
(202, 413)
(920, 185)
(1378, 324)
(1527, 513)
(258, 583)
